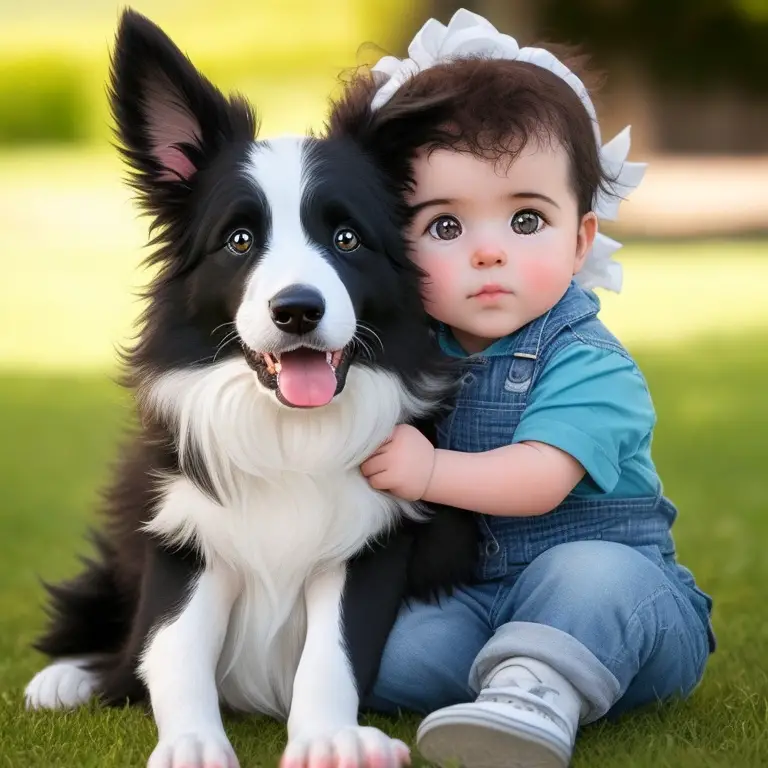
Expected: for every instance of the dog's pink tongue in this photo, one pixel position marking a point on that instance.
(306, 380)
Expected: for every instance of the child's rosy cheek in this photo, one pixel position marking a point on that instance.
(539, 275)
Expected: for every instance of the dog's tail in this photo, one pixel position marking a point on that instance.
(89, 614)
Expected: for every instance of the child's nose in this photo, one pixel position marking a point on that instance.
(488, 256)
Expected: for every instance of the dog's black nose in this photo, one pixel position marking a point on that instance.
(297, 309)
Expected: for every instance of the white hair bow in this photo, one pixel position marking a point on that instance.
(467, 35)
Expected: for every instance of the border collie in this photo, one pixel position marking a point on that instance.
(244, 558)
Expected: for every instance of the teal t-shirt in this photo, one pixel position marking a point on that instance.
(592, 403)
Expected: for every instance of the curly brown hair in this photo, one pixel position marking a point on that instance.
(491, 108)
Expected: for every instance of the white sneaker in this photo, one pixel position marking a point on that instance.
(506, 727)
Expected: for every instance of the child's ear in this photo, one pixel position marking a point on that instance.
(584, 239)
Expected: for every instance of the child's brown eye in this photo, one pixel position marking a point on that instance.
(527, 223)
(445, 228)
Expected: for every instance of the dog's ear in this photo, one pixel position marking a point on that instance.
(351, 117)
(170, 121)
(390, 135)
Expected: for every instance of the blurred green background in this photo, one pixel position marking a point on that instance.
(689, 75)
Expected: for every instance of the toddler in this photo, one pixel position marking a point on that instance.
(579, 608)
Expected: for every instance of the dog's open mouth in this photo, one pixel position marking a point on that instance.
(303, 377)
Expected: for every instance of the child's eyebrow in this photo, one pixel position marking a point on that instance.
(533, 196)
(414, 209)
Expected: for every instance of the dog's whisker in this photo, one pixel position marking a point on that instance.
(228, 339)
(365, 348)
(223, 325)
(366, 329)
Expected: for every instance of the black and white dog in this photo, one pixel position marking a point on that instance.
(244, 558)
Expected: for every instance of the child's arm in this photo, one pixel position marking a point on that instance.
(590, 411)
(523, 479)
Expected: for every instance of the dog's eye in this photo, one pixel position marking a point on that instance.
(346, 240)
(240, 242)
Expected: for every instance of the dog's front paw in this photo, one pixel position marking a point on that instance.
(357, 747)
(65, 684)
(194, 750)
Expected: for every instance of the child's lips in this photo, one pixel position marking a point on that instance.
(490, 292)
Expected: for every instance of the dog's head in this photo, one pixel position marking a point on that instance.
(286, 253)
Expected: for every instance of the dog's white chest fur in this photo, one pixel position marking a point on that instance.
(294, 501)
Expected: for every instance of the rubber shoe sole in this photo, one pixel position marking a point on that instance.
(471, 736)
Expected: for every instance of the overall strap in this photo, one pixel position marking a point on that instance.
(575, 305)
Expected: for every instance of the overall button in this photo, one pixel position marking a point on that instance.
(492, 548)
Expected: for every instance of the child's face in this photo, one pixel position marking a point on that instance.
(499, 242)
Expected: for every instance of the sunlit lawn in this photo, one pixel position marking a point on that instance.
(695, 314)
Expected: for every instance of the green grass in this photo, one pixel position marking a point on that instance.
(61, 431)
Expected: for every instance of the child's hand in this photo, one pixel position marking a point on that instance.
(403, 465)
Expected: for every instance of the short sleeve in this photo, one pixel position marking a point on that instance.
(593, 404)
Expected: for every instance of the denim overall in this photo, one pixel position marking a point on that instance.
(592, 588)
(495, 390)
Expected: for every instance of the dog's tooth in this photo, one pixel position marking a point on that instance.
(329, 358)
(270, 363)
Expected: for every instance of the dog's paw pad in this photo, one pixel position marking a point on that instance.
(194, 750)
(357, 747)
